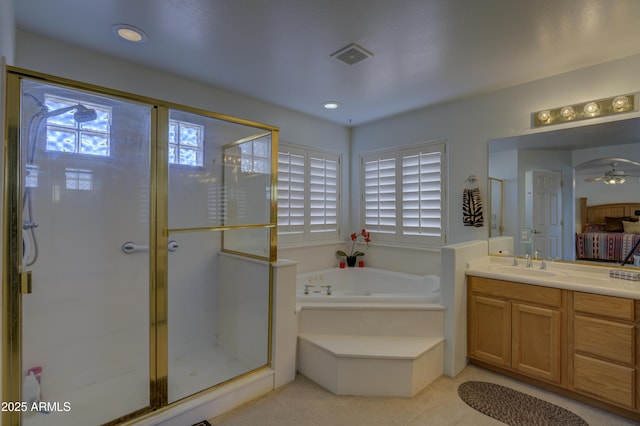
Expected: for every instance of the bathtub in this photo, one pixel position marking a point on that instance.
(366, 285)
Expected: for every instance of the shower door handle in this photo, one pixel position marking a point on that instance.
(131, 247)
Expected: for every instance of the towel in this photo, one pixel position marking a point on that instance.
(472, 207)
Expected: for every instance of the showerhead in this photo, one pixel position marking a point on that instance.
(84, 114)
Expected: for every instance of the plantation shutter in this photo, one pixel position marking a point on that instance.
(380, 193)
(422, 193)
(323, 193)
(416, 215)
(308, 194)
(291, 192)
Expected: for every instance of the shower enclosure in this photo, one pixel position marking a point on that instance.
(138, 238)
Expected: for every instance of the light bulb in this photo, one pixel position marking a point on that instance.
(129, 33)
(620, 103)
(567, 113)
(544, 116)
(331, 105)
(592, 109)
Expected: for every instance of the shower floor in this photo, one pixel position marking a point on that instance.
(192, 373)
(102, 402)
(97, 403)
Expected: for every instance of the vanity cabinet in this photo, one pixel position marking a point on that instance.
(582, 344)
(604, 348)
(516, 326)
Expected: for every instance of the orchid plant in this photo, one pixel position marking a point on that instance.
(356, 239)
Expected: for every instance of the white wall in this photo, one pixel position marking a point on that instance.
(39, 54)
(466, 124)
(469, 123)
(7, 31)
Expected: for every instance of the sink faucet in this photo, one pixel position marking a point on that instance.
(529, 260)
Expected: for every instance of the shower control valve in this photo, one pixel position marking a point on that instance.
(29, 225)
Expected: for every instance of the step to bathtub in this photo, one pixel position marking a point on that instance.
(426, 320)
(391, 366)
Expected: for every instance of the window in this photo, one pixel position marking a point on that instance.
(308, 200)
(185, 143)
(79, 128)
(403, 194)
(255, 155)
(79, 179)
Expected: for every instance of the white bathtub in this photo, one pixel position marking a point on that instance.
(367, 285)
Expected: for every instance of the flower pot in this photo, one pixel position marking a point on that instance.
(351, 261)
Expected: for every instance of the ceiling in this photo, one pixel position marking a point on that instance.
(425, 51)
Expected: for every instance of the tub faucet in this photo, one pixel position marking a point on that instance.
(306, 288)
(515, 260)
(536, 255)
(543, 264)
(328, 287)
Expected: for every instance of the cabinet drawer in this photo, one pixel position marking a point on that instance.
(610, 382)
(611, 340)
(515, 291)
(607, 306)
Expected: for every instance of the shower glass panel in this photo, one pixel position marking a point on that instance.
(218, 303)
(247, 173)
(85, 176)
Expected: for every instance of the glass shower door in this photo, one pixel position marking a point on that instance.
(218, 303)
(85, 179)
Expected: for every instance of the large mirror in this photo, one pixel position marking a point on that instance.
(549, 177)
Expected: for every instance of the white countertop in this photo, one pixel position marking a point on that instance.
(569, 276)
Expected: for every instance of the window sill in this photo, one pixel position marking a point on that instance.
(434, 249)
(299, 244)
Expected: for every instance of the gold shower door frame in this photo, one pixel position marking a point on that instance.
(16, 281)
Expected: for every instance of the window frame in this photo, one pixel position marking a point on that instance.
(307, 235)
(398, 235)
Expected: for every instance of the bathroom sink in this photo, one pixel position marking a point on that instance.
(527, 272)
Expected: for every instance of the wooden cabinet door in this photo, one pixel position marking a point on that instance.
(490, 330)
(608, 381)
(536, 334)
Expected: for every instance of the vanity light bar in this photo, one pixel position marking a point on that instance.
(585, 110)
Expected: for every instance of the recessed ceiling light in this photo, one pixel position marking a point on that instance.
(331, 105)
(129, 33)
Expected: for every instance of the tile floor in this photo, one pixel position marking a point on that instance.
(303, 403)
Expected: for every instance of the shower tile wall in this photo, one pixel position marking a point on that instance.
(87, 320)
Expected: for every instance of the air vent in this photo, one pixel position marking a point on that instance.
(352, 54)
